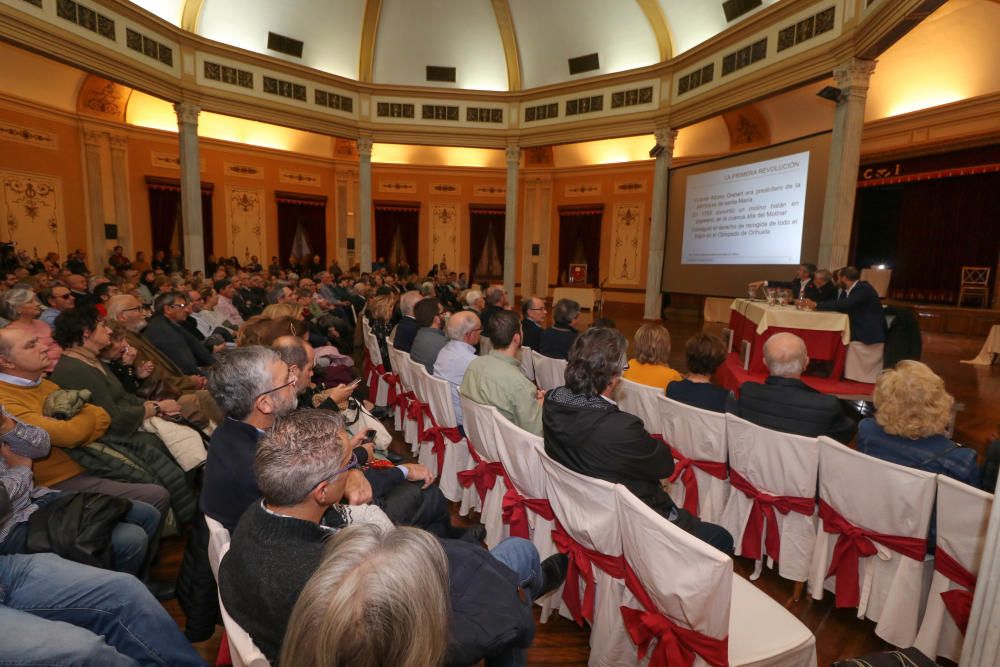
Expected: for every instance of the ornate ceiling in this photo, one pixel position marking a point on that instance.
(495, 45)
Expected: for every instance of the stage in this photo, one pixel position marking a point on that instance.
(731, 375)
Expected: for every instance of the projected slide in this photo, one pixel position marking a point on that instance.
(750, 214)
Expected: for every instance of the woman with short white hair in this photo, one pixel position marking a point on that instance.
(21, 306)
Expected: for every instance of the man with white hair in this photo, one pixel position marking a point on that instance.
(785, 403)
(474, 301)
(463, 330)
(407, 328)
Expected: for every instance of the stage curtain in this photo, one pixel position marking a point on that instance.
(206, 223)
(401, 218)
(580, 227)
(307, 213)
(480, 222)
(164, 209)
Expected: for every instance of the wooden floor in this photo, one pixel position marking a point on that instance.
(839, 633)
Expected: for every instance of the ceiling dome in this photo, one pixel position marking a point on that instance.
(495, 45)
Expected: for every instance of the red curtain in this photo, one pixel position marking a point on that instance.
(165, 214)
(481, 222)
(580, 227)
(306, 213)
(401, 218)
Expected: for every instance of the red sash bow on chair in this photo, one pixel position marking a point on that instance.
(684, 468)
(957, 602)
(515, 513)
(416, 411)
(438, 434)
(484, 476)
(581, 562)
(853, 543)
(676, 646)
(380, 373)
(763, 508)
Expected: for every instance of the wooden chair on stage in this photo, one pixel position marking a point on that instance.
(975, 283)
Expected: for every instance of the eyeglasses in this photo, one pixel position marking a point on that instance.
(539, 308)
(67, 295)
(271, 391)
(178, 305)
(139, 307)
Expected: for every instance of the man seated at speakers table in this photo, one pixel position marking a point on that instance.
(803, 286)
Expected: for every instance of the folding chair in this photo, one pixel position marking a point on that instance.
(640, 400)
(527, 365)
(487, 477)
(549, 373)
(449, 446)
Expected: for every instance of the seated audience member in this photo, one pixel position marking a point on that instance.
(557, 339)
(704, 353)
(826, 286)
(84, 336)
(102, 293)
(77, 284)
(406, 330)
(650, 365)
(430, 339)
(464, 330)
(496, 300)
(206, 318)
(533, 323)
(56, 299)
(340, 614)
(164, 330)
(23, 393)
(379, 310)
(22, 308)
(57, 612)
(912, 413)
(225, 306)
(497, 379)
(801, 287)
(301, 468)
(474, 301)
(585, 431)
(786, 403)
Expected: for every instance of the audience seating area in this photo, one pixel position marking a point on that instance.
(821, 512)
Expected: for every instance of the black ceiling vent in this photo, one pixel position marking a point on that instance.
(286, 45)
(437, 73)
(737, 8)
(582, 64)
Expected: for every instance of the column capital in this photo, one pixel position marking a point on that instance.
(119, 142)
(187, 113)
(94, 138)
(513, 154)
(666, 136)
(365, 146)
(854, 74)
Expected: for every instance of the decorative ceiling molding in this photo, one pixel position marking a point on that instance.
(190, 15)
(369, 33)
(103, 99)
(747, 127)
(658, 22)
(505, 23)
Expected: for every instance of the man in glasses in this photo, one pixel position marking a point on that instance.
(166, 331)
(463, 330)
(57, 299)
(533, 323)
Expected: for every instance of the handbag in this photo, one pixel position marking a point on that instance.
(77, 526)
(906, 657)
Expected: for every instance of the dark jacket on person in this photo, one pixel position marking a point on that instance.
(272, 557)
(229, 486)
(531, 333)
(426, 346)
(903, 338)
(591, 436)
(178, 344)
(127, 411)
(827, 292)
(484, 317)
(935, 453)
(795, 286)
(702, 395)
(406, 331)
(555, 342)
(864, 309)
(790, 405)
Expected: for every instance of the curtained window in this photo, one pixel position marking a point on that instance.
(486, 240)
(397, 228)
(165, 219)
(580, 240)
(301, 226)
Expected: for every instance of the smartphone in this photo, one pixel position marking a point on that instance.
(370, 435)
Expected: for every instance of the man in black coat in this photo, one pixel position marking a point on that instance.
(166, 332)
(532, 322)
(826, 286)
(785, 403)
(586, 432)
(407, 328)
(862, 305)
(496, 300)
(555, 341)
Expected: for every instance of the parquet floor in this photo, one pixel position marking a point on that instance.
(839, 633)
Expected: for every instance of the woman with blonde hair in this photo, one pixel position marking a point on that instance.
(380, 312)
(278, 310)
(912, 413)
(652, 352)
(378, 598)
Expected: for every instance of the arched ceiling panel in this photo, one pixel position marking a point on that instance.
(549, 33)
(692, 22)
(449, 33)
(39, 79)
(329, 29)
(169, 10)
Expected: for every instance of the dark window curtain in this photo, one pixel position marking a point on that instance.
(307, 215)
(482, 223)
(164, 210)
(580, 239)
(397, 226)
(941, 225)
(206, 223)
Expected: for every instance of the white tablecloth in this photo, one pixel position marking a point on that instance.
(765, 316)
(991, 348)
(585, 296)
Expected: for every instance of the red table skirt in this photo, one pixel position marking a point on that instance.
(822, 345)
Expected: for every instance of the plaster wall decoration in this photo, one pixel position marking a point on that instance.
(28, 135)
(486, 190)
(629, 187)
(299, 178)
(446, 188)
(32, 212)
(102, 98)
(345, 148)
(583, 190)
(538, 156)
(170, 161)
(398, 187)
(444, 234)
(243, 170)
(245, 218)
(626, 244)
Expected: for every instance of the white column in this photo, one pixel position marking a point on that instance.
(845, 155)
(93, 144)
(665, 138)
(119, 177)
(982, 636)
(510, 222)
(191, 232)
(364, 216)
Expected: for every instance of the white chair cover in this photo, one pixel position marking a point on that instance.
(527, 365)
(401, 364)
(699, 435)
(456, 454)
(243, 651)
(588, 511)
(778, 464)
(371, 344)
(423, 449)
(884, 498)
(481, 432)
(549, 373)
(962, 515)
(398, 418)
(640, 400)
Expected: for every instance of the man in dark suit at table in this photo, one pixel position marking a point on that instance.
(860, 302)
(802, 286)
(826, 286)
